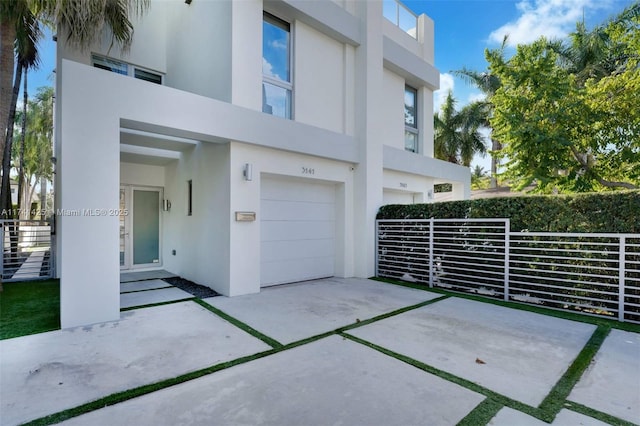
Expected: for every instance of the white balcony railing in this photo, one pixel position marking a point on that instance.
(401, 16)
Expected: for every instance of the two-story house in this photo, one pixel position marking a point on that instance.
(240, 144)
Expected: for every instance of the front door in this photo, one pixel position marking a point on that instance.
(139, 227)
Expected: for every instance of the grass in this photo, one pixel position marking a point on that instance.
(23, 300)
(29, 307)
(573, 316)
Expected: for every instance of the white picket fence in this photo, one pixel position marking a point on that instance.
(589, 273)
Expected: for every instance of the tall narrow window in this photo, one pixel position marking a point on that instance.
(189, 198)
(277, 84)
(410, 119)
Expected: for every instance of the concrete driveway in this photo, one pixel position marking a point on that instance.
(336, 351)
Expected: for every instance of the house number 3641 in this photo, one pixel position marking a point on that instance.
(308, 171)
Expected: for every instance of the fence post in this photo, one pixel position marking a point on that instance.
(431, 253)
(377, 231)
(507, 248)
(621, 275)
(2, 250)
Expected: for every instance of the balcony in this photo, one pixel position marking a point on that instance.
(401, 16)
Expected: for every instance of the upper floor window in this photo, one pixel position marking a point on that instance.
(124, 68)
(277, 84)
(410, 119)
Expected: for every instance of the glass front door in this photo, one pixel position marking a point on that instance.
(139, 227)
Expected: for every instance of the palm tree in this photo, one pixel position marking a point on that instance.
(22, 25)
(488, 84)
(591, 54)
(80, 22)
(36, 157)
(457, 138)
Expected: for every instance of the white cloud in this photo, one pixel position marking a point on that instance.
(439, 96)
(549, 18)
(278, 44)
(476, 96)
(267, 69)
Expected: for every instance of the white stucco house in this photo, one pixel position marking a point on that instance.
(240, 144)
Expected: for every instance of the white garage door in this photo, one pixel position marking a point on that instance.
(297, 230)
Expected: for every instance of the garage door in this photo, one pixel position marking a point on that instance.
(297, 230)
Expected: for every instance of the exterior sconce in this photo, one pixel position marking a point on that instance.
(247, 172)
(187, 1)
(430, 194)
(166, 205)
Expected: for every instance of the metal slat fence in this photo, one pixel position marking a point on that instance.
(594, 274)
(26, 250)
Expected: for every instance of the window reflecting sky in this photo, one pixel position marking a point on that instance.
(275, 50)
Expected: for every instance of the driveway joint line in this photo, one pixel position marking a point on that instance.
(122, 396)
(556, 398)
(153, 305)
(241, 325)
(596, 414)
(482, 413)
(498, 398)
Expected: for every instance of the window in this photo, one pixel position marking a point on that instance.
(124, 68)
(277, 84)
(410, 119)
(189, 197)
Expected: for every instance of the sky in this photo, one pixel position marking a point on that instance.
(463, 30)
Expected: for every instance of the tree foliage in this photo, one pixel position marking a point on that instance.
(568, 115)
(37, 147)
(81, 22)
(457, 136)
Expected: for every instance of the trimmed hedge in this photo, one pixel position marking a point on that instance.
(601, 212)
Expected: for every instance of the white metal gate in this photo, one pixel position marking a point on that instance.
(595, 274)
(27, 250)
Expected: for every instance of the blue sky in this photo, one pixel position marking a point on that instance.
(463, 30)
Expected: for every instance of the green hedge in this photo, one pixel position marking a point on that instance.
(600, 212)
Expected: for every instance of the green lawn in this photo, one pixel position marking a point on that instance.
(29, 308)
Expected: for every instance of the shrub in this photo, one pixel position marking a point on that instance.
(617, 212)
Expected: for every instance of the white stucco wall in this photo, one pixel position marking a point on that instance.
(246, 54)
(319, 79)
(393, 106)
(199, 47)
(390, 196)
(244, 241)
(347, 107)
(141, 174)
(417, 186)
(148, 50)
(200, 240)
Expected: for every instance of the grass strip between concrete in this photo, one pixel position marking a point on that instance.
(554, 401)
(550, 406)
(122, 396)
(241, 325)
(482, 414)
(153, 305)
(599, 415)
(496, 397)
(573, 316)
(146, 289)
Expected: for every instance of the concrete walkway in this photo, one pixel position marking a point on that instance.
(400, 357)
